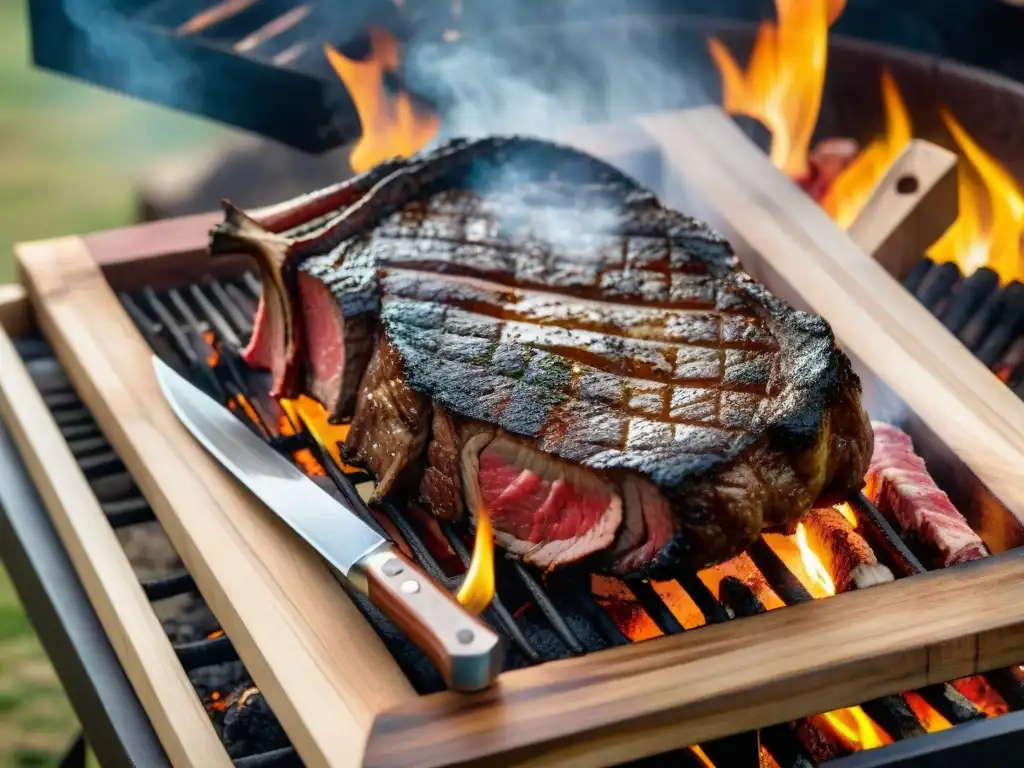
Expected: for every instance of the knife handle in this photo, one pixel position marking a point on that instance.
(466, 652)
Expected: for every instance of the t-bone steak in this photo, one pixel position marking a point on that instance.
(514, 325)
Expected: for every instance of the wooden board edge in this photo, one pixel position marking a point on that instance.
(910, 208)
(651, 697)
(15, 310)
(968, 407)
(149, 661)
(314, 677)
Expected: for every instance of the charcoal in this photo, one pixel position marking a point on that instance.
(937, 284)
(981, 323)
(1008, 325)
(967, 297)
(250, 726)
(913, 280)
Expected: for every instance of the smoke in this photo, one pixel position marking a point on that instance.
(543, 80)
(883, 404)
(114, 55)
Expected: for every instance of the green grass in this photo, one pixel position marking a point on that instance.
(70, 157)
(70, 154)
(36, 721)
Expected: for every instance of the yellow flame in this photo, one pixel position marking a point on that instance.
(785, 76)
(391, 127)
(990, 227)
(850, 191)
(845, 511)
(855, 728)
(477, 590)
(812, 563)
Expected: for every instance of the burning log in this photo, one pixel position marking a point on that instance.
(849, 559)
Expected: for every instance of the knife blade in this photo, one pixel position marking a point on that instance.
(466, 652)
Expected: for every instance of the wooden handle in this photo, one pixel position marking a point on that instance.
(465, 650)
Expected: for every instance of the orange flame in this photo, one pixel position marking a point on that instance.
(304, 458)
(314, 417)
(989, 232)
(785, 76)
(477, 590)
(930, 719)
(850, 191)
(701, 756)
(391, 126)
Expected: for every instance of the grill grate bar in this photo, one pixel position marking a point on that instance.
(205, 652)
(705, 600)
(286, 757)
(655, 607)
(125, 512)
(237, 308)
(781, 579)
(169, 586)
(883, 537)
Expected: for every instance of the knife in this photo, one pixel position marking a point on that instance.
(466, 652)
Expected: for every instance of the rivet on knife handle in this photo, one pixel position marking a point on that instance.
(466, 651)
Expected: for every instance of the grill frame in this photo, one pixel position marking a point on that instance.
(237, 90)
(116, 726)
(59, 271)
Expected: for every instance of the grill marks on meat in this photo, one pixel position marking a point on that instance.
(898, 483)
(602, 376)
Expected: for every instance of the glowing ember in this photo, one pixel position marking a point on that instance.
(702, 758)
(622, 606)
(245, 695)
(850, 191)
(215, 633)
(478, 588)
(214, 357)
(742, 567)
(784, 79)
(390, 125)
(856, 729)
(989, 232)
(246, 406)
(930, 719)
(977, 690)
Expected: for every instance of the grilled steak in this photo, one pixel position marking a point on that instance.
(515, 325)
